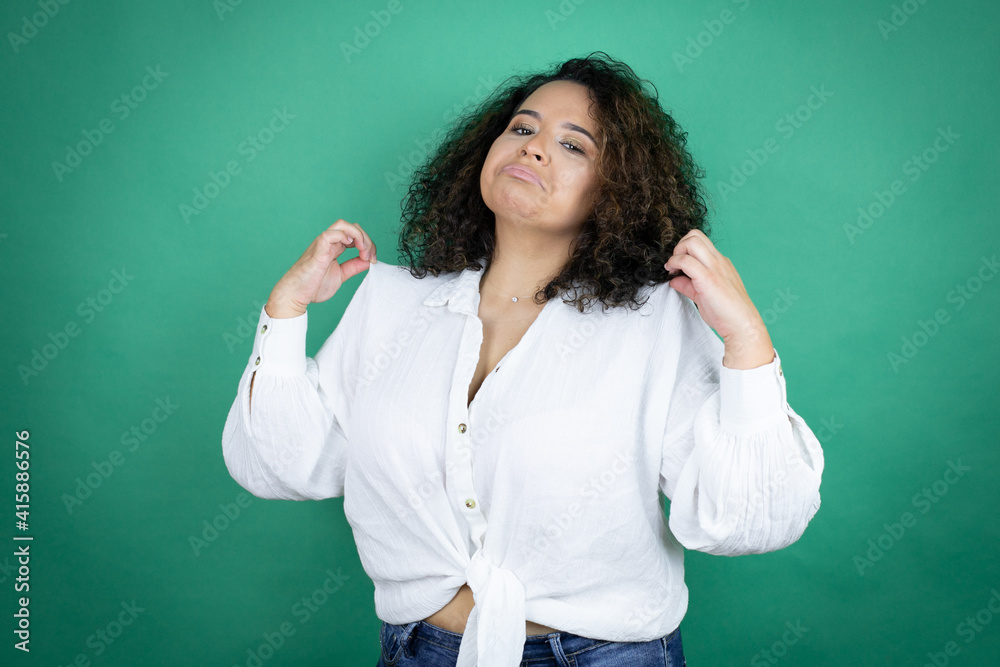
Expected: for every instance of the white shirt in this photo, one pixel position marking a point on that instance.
(543, 493)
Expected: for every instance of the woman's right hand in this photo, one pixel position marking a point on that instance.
(317, 275)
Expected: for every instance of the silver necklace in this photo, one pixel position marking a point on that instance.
(513, 298)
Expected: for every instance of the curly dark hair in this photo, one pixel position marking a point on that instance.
(647, 197)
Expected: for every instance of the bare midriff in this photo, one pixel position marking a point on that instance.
(454, 615)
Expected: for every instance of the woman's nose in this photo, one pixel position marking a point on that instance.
(535, 147)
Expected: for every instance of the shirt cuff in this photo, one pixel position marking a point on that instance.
(752, 399)
(279, 346)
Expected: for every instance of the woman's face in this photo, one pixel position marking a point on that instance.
(553, 136)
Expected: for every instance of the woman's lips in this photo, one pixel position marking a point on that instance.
(522, 173)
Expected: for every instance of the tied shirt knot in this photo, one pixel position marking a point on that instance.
(495, 632)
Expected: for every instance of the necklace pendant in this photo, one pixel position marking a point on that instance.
(514, 299)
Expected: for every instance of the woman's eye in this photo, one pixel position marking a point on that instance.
(572, 146)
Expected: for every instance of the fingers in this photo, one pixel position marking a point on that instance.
(697, 234)
(695, 243)
(692, 267)
(341, 235)
(701, 262)
(358, 237)
(353, 267)
(317, 275)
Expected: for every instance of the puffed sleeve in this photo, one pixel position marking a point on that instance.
(290, 438)
(741, 469)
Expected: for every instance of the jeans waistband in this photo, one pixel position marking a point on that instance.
(535, 646)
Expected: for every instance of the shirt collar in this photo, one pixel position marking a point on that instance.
(459, 293)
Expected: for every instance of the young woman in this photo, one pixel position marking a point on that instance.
(500, 443)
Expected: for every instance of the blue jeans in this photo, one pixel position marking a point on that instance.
(420, 644)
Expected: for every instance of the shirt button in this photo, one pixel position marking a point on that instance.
(263, 328)
(470, 503)
(779, 370)
(257, 363)
(461, 428)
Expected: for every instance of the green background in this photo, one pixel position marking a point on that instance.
(838, 302)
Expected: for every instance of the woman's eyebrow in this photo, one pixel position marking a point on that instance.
(571, 126)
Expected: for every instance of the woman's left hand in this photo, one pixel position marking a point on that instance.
(711, 281)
